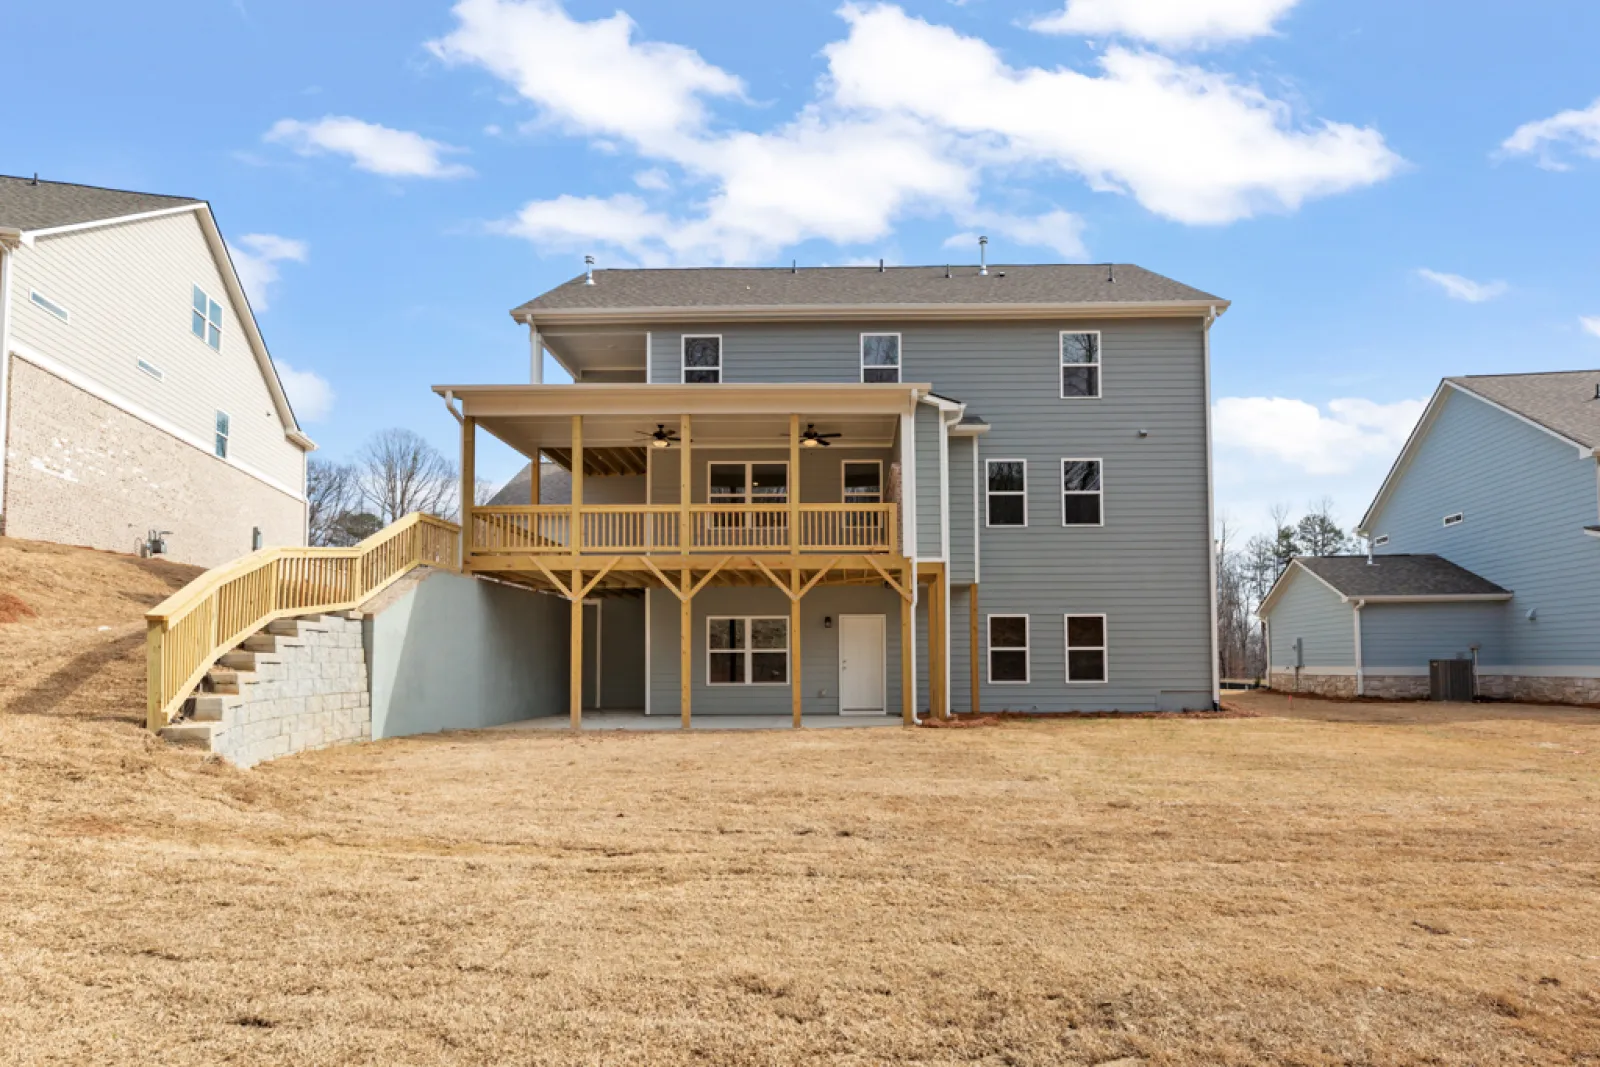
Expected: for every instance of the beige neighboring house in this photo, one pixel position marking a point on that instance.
(137, 397)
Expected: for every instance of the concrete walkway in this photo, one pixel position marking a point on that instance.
(638, 720)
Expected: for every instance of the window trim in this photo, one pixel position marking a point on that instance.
(1026, 650)
(1454, 518)
(1065, 492)
(49, 307)
(223, 437)
(1099, 364)
(749, 650)
(987, 493)
(683, 358)
(899, 355)
(844, 490)
(1067, 647)
(749, 466)
(210, 303)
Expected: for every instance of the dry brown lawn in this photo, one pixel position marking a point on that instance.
(1263, 890)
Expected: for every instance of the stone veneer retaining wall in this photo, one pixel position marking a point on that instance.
(310, 693)
(82, 472)
(1509, 687)
(1326, 685)
(1542, 690)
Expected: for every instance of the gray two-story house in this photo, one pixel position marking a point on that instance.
(865, 491)
(1485, 542)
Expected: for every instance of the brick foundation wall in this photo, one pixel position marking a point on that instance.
(310, 693)
(82, 472)
(1326, 685)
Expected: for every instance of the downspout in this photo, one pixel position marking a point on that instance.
(1211, 518)
(449, 401)
(1361, 677)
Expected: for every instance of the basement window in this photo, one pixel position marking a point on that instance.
(1008, 649)
(1080, 365)
(702, 359)
(1081, 493)
(1008, 492)
(1086, 648)
(880, 357)
(49, 305)
(223, 425)
(751, 650)
(1455, 520)
(206, 319)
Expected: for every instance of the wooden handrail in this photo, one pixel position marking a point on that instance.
(654, 528)
(190, 630)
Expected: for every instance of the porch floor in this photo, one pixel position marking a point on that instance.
(638, 720)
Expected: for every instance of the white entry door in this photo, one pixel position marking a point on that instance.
(861, 666)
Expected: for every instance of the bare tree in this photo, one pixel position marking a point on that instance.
(1240, 653)
(330, 494)
(399, 472)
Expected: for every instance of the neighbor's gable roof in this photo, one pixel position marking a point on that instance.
(1563, 404)
(1043, 286)
(1392, 578)
(27, 204)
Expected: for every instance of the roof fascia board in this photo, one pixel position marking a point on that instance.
(837, 312)
(10, 237)
(596, 398)
(1436, 598)
(959, 430)
(29, 236)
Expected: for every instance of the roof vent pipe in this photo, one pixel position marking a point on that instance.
(983, 256)
(880, 266)
(588, 270)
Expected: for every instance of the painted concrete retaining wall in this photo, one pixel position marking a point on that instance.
(456, 653)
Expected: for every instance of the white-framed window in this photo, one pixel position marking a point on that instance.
(224, 424)
(151, 369)
(49, 305)
(702, 359)
(1008, 649)
(880, 357)
(1081, 493)
(1080, 364)
(1007, 492)
(1380, 540)
(747, 482)
(863, 481)
(1086, 649)
(205, 319)
(747, 650)
(1455, 520)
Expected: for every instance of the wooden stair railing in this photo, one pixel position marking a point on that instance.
(189, 631)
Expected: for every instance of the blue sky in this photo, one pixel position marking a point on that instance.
(1388, 192)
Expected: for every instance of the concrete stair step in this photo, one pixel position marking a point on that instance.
(190, 732)
(261, 642)
(213, 707)
(229, 680)
(238, 660)
(284, 628)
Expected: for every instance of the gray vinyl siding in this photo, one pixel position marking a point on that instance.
(961, 510)
(622, 653)
(614, 489)
(1409, 635)
(1310, 611)
(1146, 568)
(1526, 497)
(930, 543)
(961, 646)
(819, 649)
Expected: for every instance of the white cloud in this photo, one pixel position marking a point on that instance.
(1578, 130)
(1305, 437)
(1060, 231)
(1460, 288)
(309, 392)
(377, 149)
(655, 179)
(1173, 23)
(1590, 323)
(911, 118)
(256, 258)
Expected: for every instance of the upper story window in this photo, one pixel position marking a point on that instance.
(223, 425)
(49, 305)
(863, 481)
(1008, 492)
(702, 359)
(206, 319)
(1080, 365)
(1080, 492)
(880, 357)
(747, 483)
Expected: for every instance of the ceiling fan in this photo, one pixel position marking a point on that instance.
(661, 437)
(811, 438)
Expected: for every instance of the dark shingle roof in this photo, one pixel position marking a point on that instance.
(555, 487)
(1563, 401)
(1416, 576)
(27, 206)
(1042, 283)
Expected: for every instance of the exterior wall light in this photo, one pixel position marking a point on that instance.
(827, 622)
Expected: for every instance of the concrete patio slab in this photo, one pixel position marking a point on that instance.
(638, 720)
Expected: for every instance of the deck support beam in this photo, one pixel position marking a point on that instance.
(797, 692)
(686, 641)
(972, 605)
(908, 679)
(575, 698)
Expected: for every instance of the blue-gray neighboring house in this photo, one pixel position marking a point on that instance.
(1485, 541)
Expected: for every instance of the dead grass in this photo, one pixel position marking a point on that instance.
(1225, 891)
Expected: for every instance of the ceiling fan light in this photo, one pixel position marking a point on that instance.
(809, 442)
(661, 442)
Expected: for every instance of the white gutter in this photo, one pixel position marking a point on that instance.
(1211, 516)
(1111, 309)
(449, 405)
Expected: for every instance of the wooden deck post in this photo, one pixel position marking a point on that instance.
(908, 679)
(976, 676)
(576, 538)
(536, 489)
(686, 639)
(576, 697)
(469, 481)
(935, 648)
(792, 491)
(685, 485)
(796, 689)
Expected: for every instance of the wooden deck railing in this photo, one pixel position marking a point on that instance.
(652, 528)
(190, 630)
